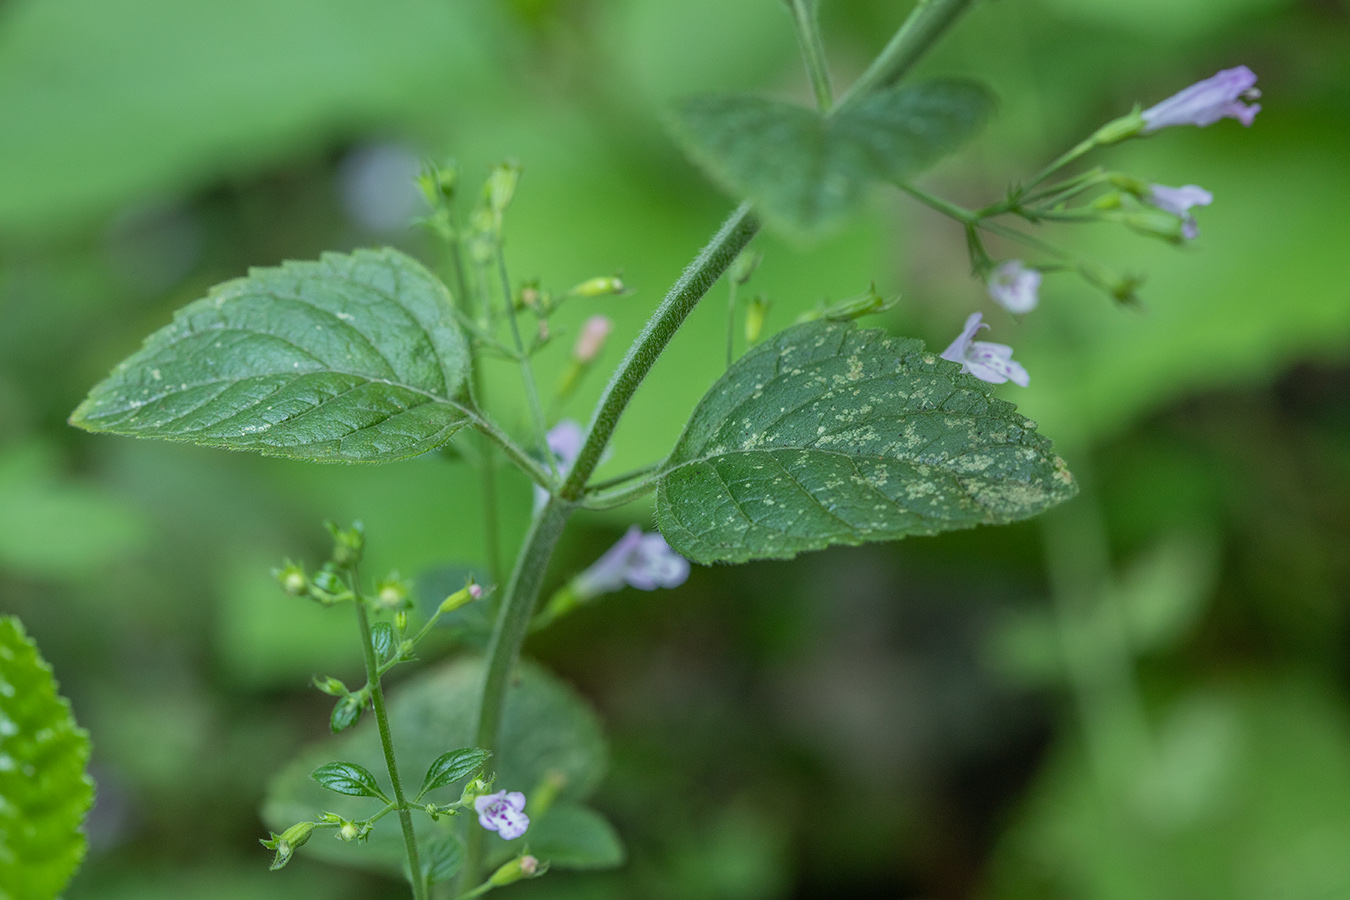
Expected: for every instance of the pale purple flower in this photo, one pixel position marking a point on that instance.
(1208, 101)
(641, 560)
(564, 442)
(1178, 202)
(986, 361)
(1014, 286)
(503, 813)
(592, 339)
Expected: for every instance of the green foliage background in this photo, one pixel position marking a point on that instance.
(883, 721)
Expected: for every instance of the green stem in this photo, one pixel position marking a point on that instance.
(387, 742)
(806, 16)
(959, 213)
(679, 301)
(926, 23)
(620, 496)
(526, 463)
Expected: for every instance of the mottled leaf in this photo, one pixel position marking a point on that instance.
(354, 358)
(805, 171)
(830, 434)
(348, 778)
(44, 791)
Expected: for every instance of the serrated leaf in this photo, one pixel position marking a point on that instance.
(805, 171)
(44, 791)
(830, 434)
(353, 358)
(451, 767)
(549, 733)
(348, 778)
(382, 638)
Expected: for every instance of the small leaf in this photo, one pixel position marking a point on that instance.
(44, 791)
(451, 767)
(571, 836)
(348, 778)
(829, 434)
(346, 713)
(354, 358)
(382, 636)
(806, 171)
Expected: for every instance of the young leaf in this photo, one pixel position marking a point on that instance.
(442, 856)
(451, 767)
(44, 791)
(348, 778)
(806, 171)
(382, 637)
(346, 713)
(829, 434)
(354, 358)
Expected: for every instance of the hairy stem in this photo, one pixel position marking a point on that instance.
(387, 742)
(927, 22)
(806, 16)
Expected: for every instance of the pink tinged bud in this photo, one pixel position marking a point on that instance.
(986, 361)
(592, 339)
(1208, 101)
(1178, 202)
(529, 865)
(1015, 287)
(503, 813)
(640, 560)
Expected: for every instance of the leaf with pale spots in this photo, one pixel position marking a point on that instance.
(830, 434)
(353, 358)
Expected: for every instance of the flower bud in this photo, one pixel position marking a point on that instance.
(1151, 223)
(347, 544)
(598, 287)
(755, 313)
(392, 593)
(514, 870)
(592, 339)
(353, 831)
(286, 843)
(461, 597)
(438, 183)
(500, 188)
(1117, 130)
(292, 579)
(331, 686)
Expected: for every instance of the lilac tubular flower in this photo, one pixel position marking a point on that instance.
(1014, 286)
(1208, 101)
(564, 442)
(641, 560)
(986, 361)
(1178, 202)
(503, 813)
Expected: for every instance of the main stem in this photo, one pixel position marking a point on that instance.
(387, 742)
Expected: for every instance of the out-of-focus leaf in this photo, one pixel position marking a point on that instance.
(829, 434)
(1243, 793)
(55, 528)
(1165, 591)
(102, 102)
(348, 778)
(571, 836)
(806, 171)
(44, 791)
(548, 732)
(354, 358)
(442, 856)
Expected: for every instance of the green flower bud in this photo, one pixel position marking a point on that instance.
(516, 869)
(864, 304)
(286, 843)
(347, 544)
(1121, 129)
(392, 592)
(331, 686)
(461, 597)
(292, 579)
(353, 831)
(756, 311)
(598, 287)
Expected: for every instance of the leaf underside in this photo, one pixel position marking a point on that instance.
(353, 358)
(805, 171)
(44, 791)
(830, 434)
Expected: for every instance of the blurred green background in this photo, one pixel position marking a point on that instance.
(1142, 695)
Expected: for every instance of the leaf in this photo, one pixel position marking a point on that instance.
(44, 791)
(346, 713)
(348, 778)
(441, 856)
(451, 767)
(354, 358)
(382, 638)
(829, 434)
(548, 733)
(806, 171)
(571, 836)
